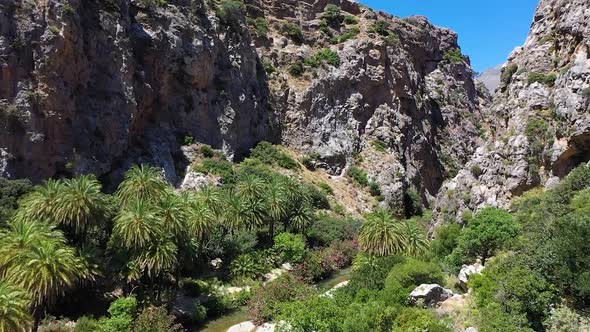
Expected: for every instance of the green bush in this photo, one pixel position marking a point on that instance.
(153, 2)
(379, 145)
(381, 27)
(404, 277)
(454, 56)
(10, 192)
(327, 229)
(155, 319)
(292, 31)
(413, 203)
(374, 188)
(272, 155)
(266, 302)
(508, 72)
(547, 79)
(322, 56)
(326, 188)
(446, 240)
(207, 151)
(230, 12)
(476, 171)
(260, 25)
(350, 34)
(291, 247)
(269, 68)
(296, 69)
(586, 92)
(349, 19)
(245, 266)
(333, 15)
(416, 319)
(358, 175)
(200, 313)
(223, 168)
(86, 324)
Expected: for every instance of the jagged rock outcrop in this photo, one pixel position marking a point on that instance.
(430, 294)
(397, 85)
(94, 86)
(539, 124)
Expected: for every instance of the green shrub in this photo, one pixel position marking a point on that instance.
(155, 319)
(269, 68)
(508, 72)
(296, 69)
(230, 12)
(379, 145)
(188, 140)
(260, 25)
(547, 79)
(333, 15)
(86, 324)
(322, 56)
(245, 266)
(327, 229)
(349, 19)
(586, 92)
(476, 171)
(345, 36)
(200, 313)
(326, 188)
(381, 27)
(207, 151)
(446, 240)
(68, 9)
(266, 302)
(358, 175)
(374, 188)
(292, 31)
(222, 168)
(454, 56)
(416, 319)
(153, 2)
(413, 203)
(271, 155)
(291, 247)
(10, 192)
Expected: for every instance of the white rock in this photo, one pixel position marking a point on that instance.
(431, 294)
(467, 271)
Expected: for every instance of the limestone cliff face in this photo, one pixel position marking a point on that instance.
(93, 86)
(539, 124)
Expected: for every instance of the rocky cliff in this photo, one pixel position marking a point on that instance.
(93, 86)
(539, 123)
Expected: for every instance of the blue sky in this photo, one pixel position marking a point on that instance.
(488, 29)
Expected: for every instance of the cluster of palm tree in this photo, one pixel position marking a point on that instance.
(144, 232)
(383, 235)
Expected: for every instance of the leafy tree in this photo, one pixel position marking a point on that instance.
(446, 240)
(290, 246)
(122, 313)
(382, 235)
(10, 192)
(14, 308)
(489, 231)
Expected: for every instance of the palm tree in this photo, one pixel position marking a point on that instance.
(40, 204)
(416, 241)
(200, 219)
(276, 203)
(173, 213)
(251, 188)
(382, 235)
(20, 237)
(81, 204)
(212, 198)
(236, 212)
(158, 258)
(14, 309)
(137, 226)
(142, 183)
(301, 217)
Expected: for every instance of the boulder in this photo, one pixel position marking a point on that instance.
(194, 180)
(471, 329)
(467, 271)
(430, 294)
